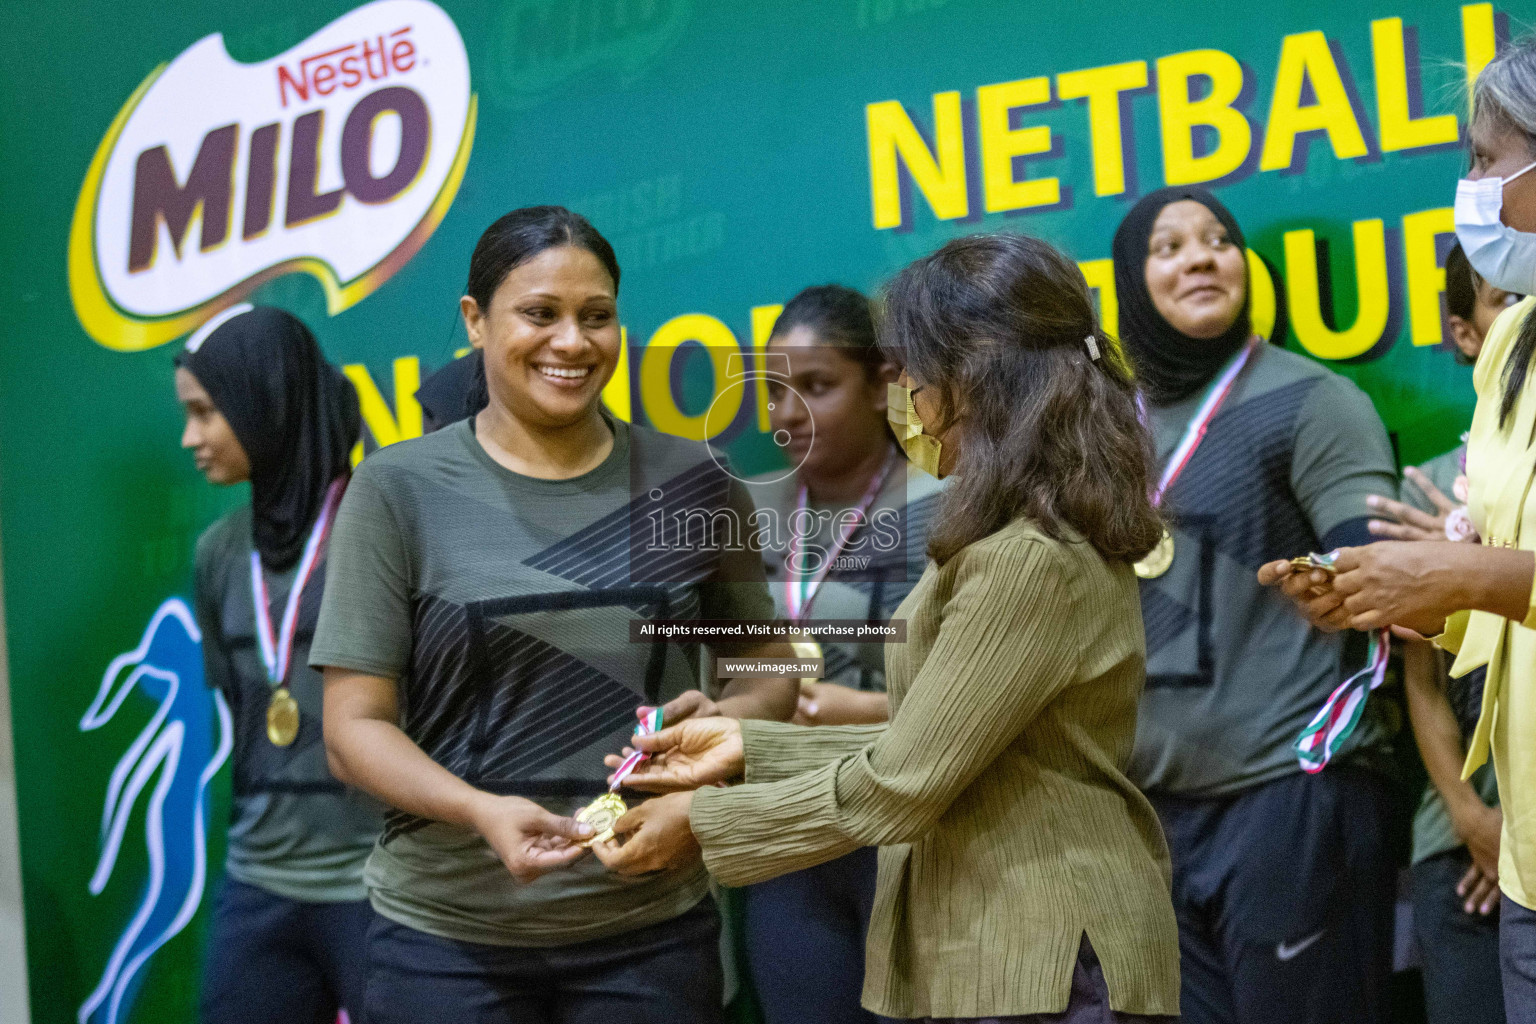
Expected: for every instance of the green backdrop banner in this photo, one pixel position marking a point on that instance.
(166, 160)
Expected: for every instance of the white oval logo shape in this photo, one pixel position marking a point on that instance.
(337, 158)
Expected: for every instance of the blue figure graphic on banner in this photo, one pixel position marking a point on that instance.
(186, 741)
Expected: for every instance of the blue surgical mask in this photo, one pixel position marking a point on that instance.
(1502, 256)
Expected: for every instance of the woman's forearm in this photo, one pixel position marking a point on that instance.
(1434, 727)
(1496, 580)
(771, 699)
(378, 758)
(864, 708)
(366, 749)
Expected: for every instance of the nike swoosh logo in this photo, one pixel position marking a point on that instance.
(1290, 951)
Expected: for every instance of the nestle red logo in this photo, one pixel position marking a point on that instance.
(347, 67)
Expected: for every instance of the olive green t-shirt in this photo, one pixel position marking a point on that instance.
(1433, 832)
(872, 572)
(1234, 673)
(294, 830)
(502, 604)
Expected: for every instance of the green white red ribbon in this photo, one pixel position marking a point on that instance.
(1336, 720)
(649, 722)
(1194, 433)
(277, 650)
(801, 588)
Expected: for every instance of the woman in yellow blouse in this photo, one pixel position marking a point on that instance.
(1022, 876)
(1479, 597)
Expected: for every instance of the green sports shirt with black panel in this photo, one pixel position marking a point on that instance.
(1233, 672)
(502, 605)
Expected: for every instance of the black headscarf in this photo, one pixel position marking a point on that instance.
(295, 415)
(455, 392)
(1170, 365)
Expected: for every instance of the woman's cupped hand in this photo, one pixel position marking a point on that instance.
(697, 752)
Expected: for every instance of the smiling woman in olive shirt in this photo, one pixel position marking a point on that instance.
(474, 636)
(1021, 873)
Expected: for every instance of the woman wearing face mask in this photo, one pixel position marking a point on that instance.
(1480, 595)
(475, 636)
(1455, 858)
(287, 943)
(846, 539)
(1022, 876)
(1262, 454)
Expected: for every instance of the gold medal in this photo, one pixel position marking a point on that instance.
(807, 649)
(1158, 559)
(282, 718)
(602, 814)
(1306, 563)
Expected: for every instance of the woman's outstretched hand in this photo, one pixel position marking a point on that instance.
(1405, 522)
(1311, 590)
(697, 752)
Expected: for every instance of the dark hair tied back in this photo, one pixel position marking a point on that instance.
(1460, 284)
(837, 315)
(995, 327)
(519, 236)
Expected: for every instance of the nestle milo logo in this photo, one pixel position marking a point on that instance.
(337, 158)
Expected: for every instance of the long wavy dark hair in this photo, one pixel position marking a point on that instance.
(1504, 99)
(995, 327)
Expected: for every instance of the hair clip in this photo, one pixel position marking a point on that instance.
(1093, 347)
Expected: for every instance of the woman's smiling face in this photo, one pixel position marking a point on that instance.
(1195, 274)
(551, 337)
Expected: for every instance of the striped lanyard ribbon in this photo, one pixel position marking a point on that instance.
(1339, 715)
(276, 653)
(800, 589)
(1195, 432)
(649, 722)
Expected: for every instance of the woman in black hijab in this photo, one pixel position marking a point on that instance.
(262, 404)
(1178, 339)
(1281, 876)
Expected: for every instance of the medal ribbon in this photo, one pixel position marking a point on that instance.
(1334, 723)
(800, 591)
(277, 653)
(1195, 432)
(649, 722)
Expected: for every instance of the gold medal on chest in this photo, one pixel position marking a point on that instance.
(282, 718)
(1158, 560)
(602, 814)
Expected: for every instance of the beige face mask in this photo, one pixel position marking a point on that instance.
(922, 449)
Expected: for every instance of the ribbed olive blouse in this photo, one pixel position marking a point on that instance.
(997, 793)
